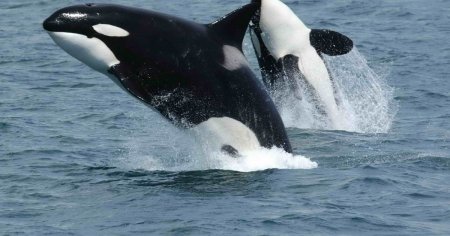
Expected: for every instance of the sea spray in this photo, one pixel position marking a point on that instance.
(365, 100)
(188, 155)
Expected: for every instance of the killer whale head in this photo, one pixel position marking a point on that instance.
(84, 30)
(89, 19)
(194, 75)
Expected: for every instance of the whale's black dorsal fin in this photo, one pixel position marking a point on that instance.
(232, 27)
(330, 42)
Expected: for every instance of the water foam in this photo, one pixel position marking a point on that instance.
(365, 100)
(263, 159)
(191, 156)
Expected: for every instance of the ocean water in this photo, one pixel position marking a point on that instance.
(78, 156)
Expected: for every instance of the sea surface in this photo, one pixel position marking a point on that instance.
(78, 156)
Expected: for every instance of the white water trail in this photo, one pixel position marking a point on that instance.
(365, 101)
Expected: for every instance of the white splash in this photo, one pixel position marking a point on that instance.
(186, 154)
(365, 100)
(263, 159)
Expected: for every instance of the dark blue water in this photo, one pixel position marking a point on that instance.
(79, 156)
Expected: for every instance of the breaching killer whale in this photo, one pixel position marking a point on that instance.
(195, 75)
(286, 50)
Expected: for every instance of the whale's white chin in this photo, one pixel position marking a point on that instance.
(91, 51)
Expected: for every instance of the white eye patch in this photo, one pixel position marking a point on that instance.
(110, 30)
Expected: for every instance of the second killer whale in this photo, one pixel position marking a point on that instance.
(287, 50)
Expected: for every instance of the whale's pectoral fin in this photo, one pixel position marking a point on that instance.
(232, 27)
(230, 150)
(128, 81)
(330, 42)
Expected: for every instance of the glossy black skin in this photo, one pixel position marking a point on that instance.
(175, 66)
